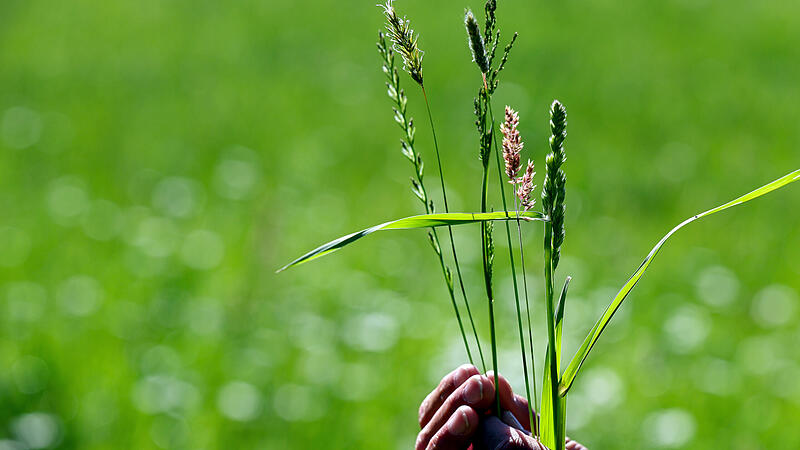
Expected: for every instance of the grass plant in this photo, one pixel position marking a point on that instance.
(550, 426)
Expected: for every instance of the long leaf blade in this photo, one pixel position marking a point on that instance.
(420, 221)
(577, 361)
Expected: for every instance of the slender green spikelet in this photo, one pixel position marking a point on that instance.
(406, 123)
(483, 124)
(404, 41)
(493, 81)
(476, 42)
(490, 246)
(491, 19)
(554, 189)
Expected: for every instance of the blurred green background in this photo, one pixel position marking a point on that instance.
(159, 160)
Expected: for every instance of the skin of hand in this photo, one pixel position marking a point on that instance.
(456, 415)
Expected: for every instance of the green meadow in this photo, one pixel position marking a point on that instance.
(160, 160)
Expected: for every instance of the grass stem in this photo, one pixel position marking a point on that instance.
(502, 183)
(551, 334)
(450, 230)
(534, 417)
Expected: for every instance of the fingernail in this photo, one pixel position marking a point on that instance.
(460, 426)
(473, 391)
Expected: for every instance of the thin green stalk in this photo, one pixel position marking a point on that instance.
(486, 241)
(551, 331)
(450, 229)
(449, 281)
(418, 186)
(486, 252)
(535, 417)
(502, 182)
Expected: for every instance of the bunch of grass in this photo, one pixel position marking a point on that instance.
(549, 425)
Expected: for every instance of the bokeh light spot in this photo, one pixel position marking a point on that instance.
(177, 196)
(774, 306)
(157, 237)
(164, 393)
(239, 401)
(717, 286)
(670, 428)
(603, 388)
(7, 444)
(37, 430)
(373, 332)
(236, 174)
(687, 328)
(80, 295)
(67, 200)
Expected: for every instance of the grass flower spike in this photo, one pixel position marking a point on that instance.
(512, 144)
(476, 42)
(554, 188)
(404, 41)
(525, 187)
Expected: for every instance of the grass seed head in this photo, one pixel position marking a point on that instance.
(525, 187)
(476, 42)
(512, 144)
(404, 41)
(554, 186)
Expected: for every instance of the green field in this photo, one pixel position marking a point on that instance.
(159, 160)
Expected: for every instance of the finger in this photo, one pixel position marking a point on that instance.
(494, 434)
(446, 387)
(510, 401)
(477, 392)
(458, 431)
(572, 445)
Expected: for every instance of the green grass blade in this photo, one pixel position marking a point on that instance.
(560, 321)
(577, 361)
(421, 221)
(547, 389)
(546, 424)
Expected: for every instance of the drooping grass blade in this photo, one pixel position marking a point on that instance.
(577, 361)
(420, 221)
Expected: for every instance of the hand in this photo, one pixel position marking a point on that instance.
(456, 415)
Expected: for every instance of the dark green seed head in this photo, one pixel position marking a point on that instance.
(555, 180)
(476, 42)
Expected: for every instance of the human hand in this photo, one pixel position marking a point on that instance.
(456, 415)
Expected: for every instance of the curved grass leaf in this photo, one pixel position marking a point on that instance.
(421, 221)
(577, 361)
